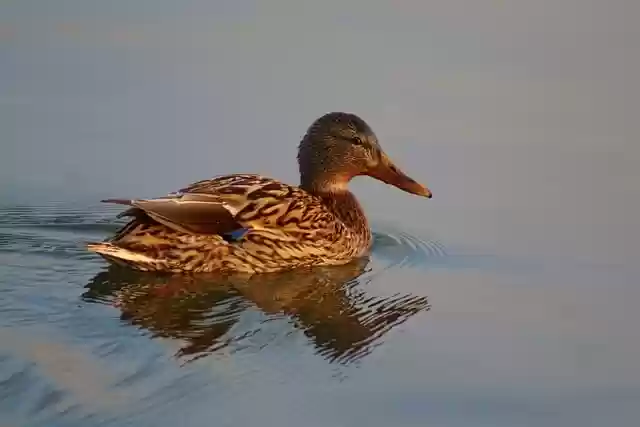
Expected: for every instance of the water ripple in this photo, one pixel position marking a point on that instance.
(209, 313)
(398, 249)
(167, 322)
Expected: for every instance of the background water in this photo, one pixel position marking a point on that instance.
(508, 299)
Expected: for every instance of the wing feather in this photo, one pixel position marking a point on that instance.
(224, 204)
(189, 213)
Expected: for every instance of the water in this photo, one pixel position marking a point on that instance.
(509, 299)
(415, 331)
(67, 317)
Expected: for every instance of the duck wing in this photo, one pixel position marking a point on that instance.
(232, 202)
(187, 213)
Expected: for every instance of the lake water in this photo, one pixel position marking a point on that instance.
(509, 299)
(420, 331)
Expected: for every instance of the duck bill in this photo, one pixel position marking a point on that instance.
(390, 174)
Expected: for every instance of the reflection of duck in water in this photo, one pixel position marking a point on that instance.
(255, 224)
(326, 303)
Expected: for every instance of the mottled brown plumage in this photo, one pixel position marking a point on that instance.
(255, 224)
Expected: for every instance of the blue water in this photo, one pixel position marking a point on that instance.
(509, 299)
(415, 333)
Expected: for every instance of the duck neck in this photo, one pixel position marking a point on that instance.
(346, 207)
(333, 188)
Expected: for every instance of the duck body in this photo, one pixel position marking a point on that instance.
(254, 224)
(240, 223)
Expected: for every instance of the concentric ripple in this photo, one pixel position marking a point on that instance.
(400, 249)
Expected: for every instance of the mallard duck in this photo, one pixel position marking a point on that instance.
(254, 224)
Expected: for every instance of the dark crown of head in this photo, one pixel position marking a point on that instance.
(341, 120)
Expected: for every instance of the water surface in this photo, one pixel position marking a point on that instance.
(509, 299)
(414, 331)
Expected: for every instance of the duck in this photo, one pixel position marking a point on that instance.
(254, 224)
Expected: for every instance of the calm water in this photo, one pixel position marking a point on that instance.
(415, 333)
(509, 299)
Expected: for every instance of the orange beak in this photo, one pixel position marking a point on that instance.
(389, 173)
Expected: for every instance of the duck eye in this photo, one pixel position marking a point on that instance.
(357, 140)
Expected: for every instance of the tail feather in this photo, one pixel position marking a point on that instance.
(127, 202)
(124, 256)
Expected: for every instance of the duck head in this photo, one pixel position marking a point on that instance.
(339, 146)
